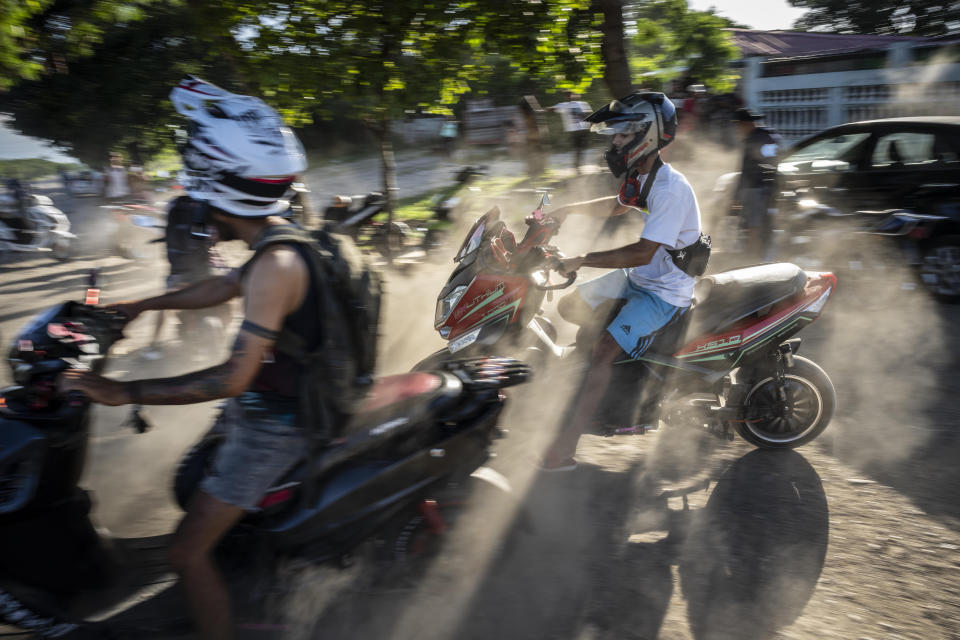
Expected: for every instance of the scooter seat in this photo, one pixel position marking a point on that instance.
(396, 406)
(724, 298)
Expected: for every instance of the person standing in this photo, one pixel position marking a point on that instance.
(572, 112)
(117, 184)
(535, 149)
(448, 135)
(758, 173)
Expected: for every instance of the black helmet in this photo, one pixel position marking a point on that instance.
(650, 115)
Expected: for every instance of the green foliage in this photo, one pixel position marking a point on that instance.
(917, 17)
(94, 75)
(32, 168)
(670, 36)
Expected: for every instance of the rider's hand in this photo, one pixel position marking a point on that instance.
(129, 310)
(97, 388)
(568, 266)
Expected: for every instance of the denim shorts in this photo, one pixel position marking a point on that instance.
(262, 444)
(640, 318)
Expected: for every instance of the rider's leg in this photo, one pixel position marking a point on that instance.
(574, 309)
(263, 442)
(604, 354)
(631, 333)
(206, 522)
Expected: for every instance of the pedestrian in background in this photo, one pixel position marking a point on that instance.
(572, 112)
(757, 175)
(117, 185)
(448, 136)
(535, 139)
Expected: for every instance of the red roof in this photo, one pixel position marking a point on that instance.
(786, 44)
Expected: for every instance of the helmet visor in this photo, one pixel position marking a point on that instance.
(614, 126)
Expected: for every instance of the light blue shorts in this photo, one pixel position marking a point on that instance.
(639, 320)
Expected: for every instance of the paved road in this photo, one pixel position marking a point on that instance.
(855, 537)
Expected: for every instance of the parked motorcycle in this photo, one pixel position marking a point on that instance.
(729, 363)
(387, 238)
(417, 438)
(868, 244)
(434, 232)
(40, 227)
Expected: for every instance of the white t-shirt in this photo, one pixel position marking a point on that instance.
(673, 220)
(117, 186)
(572, 114)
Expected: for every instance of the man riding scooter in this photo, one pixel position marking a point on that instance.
(648, 274)
(240, 161)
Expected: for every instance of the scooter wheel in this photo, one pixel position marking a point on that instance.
(62, 250)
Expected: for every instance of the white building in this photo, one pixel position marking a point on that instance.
(805, 82)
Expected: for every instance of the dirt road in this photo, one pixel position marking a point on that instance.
(854, 537)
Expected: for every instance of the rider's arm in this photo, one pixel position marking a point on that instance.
(203, 294)
(633, 255)
(599, 207)
(276, 286)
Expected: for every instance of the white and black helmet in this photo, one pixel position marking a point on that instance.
(239, 156)
(650, 115)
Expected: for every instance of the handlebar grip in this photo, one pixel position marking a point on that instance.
(76, 398)
(563, 285)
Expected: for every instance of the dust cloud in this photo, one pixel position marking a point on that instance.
(566, 557)
(553, 559)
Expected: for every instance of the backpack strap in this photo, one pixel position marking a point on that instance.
(648, 184)
(288, 342)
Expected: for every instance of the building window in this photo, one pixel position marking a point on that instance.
(855, 62)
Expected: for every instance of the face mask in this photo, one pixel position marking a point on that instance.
(616, 161)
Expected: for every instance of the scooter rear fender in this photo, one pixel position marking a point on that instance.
(353, 501)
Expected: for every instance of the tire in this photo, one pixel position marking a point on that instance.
(812, 402)
(940, 269)
(124, 250)
(193, 467)
(62, 250)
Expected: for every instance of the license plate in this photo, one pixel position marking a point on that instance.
(465, 340)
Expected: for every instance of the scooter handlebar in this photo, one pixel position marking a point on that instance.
(552, 287)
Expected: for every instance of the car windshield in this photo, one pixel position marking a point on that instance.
(827, 154)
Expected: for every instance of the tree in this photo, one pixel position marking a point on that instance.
(616, 67)
(108, 66)
(672, 40)
(913, 17)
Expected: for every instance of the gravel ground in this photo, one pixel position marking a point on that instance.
(670, 535)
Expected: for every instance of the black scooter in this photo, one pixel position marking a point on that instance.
(416, 437)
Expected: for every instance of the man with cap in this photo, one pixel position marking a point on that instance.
(757, 175)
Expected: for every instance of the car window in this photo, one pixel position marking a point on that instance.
(828, 154)
(946, 149)
(904, 148)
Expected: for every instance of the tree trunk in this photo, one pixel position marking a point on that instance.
(388, 163)
(616, 68)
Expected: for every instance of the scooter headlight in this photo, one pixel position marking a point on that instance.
(446, 304)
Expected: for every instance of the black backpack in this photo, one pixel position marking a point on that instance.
(337, 374)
